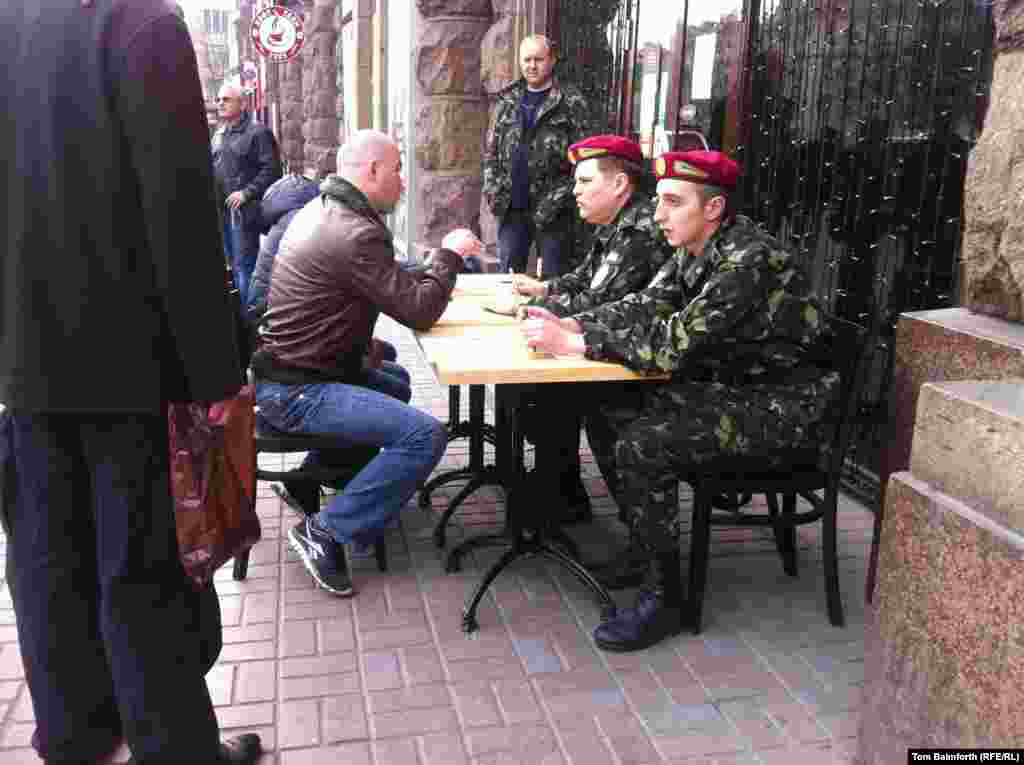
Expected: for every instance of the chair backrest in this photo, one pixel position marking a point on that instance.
(846, 349)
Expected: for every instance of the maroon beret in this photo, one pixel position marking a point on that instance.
(710, 167)
(606, 146)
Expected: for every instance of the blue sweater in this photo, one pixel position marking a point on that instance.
(528, 109)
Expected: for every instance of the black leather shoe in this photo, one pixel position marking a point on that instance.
(649, 621)
(240, 750)
(658, 612)
(625, 570)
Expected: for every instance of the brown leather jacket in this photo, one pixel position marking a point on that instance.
(335, 273)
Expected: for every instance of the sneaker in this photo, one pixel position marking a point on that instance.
(322, 556)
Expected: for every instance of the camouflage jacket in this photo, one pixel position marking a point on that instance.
(562, 120)
(740, 313)
(624, 257)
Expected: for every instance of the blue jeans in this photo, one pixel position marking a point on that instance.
(411, 442)
(517, 231)
(241, 248)
(113, 636)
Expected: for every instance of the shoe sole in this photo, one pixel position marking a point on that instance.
(638, 645)
(296, 545)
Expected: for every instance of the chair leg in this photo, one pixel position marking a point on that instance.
(785, 535)
(833, 597)
(700, 541)
(380, 552)
(241, 567)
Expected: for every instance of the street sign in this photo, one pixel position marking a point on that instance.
(277, 33)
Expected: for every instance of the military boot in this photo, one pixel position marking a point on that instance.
(658, 613)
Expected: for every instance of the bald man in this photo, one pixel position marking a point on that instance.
(335, 273)
(246, 161)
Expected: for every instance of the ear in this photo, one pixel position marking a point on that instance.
(621, 183)
(714, 209)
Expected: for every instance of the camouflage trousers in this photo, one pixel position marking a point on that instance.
(644, 435)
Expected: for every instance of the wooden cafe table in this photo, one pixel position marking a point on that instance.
(495, 354)
(472, 292)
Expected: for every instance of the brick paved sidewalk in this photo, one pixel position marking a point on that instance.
(388, 678)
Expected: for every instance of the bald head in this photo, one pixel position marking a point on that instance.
(363, 146)
(230, 102)
(370, 161)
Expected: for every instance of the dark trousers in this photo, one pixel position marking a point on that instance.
(517, 232)
(551, 419)
(113, 637)
(242, 248)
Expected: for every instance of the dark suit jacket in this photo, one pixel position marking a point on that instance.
(112, 277)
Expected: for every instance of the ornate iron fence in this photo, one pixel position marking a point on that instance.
(860, 117)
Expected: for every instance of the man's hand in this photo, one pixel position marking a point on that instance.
(525, 285)
(569, 324)
(550, 335)
(236, 199)
(462, 241)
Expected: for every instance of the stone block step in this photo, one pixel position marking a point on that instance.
(969, 443)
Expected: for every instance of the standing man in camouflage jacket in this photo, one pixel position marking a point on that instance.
(627, 251)
(731, 318)
(527, 178)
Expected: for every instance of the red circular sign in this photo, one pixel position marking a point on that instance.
(277, 33)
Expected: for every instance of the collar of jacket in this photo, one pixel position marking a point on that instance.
(636, 206)
(515, 91)
(241, 125)
(343, 192)
(711, 254)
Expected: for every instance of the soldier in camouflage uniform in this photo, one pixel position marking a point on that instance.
(627, 251)
(527, 177)
(730, 317)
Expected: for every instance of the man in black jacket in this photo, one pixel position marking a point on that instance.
(246, 160)
(113, 302)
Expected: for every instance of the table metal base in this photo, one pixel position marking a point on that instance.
(524, 545)
(476, 474)
(528, 532)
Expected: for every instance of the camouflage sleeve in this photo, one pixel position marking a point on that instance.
(636, 256)
(563, 290)
(642, 334)
(559, 196)
(492, 162)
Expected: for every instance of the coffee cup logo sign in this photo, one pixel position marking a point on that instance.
(277, 33)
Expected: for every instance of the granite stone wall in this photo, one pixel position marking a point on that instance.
(319, 86)
(450, 121)
(993, 242)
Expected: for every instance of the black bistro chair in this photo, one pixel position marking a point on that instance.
(811, 474)
(271, 441)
